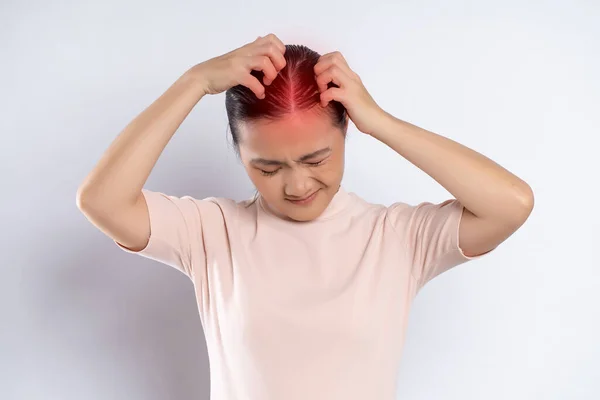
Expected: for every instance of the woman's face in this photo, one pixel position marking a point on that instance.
(296, 163)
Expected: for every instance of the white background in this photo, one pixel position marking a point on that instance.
(516, 81)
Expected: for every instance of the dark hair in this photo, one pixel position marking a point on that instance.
(294, 89)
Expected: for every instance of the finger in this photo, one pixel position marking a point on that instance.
(254, 84)
(329, 59)
(274, 53)
(277, 42)
(333, 74)
(271, 46)
(330, 94)
(264, 64)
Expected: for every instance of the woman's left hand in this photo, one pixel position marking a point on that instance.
(362, 109)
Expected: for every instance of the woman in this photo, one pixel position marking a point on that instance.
(303, 292)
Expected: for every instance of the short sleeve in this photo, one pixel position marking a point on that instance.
(176, 231)
(430, 233)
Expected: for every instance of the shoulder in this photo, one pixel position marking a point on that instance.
(366, 207)
(227, 207)
(376, 213)
(424, 218)
(189, 206)
(408, 210)
(402, 214)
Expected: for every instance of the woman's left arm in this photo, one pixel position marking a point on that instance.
(496, 202)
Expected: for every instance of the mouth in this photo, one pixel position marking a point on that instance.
(305, 200)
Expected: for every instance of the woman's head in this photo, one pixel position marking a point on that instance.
(290, 145)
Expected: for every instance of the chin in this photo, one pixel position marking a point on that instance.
(307, 212)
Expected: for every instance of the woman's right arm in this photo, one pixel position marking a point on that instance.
(111, 195)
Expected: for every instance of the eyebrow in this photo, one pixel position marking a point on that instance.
(301, 159)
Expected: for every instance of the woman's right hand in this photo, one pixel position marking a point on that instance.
(231, 69)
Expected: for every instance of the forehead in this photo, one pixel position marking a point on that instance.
(292, 136)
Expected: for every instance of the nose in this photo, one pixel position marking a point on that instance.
(297, 185)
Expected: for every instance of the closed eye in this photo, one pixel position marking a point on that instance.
(268, 173)
(317, 163)
(271, 173)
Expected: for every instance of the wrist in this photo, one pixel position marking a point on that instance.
(386, 124)
(195, 78)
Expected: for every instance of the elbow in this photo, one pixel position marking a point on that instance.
(526, 202)
(528, 199)
(81, 199)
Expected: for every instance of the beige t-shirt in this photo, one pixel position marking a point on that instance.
(304, 310)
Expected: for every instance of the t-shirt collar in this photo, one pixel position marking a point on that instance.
(338, 203)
